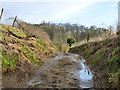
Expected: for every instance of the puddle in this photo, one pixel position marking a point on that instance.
(69, 55)
(35, 82)
(60, 56)
(84, 75)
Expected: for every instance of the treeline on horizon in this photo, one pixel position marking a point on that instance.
(58, 33)
(79, 32)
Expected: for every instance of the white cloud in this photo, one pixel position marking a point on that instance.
(67, 12)
(60, 11)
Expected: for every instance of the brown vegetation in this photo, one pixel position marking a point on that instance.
(103, 57)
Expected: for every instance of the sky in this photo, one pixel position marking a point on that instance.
(101, 13)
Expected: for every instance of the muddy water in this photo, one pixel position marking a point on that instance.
(83, 74)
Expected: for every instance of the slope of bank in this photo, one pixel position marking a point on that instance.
(104, 59)
(21, 54)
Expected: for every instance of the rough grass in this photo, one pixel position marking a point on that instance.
(104, 55)
(15, 31)
(9, 62)
(97, 38)
(31, 30)
(18, 48)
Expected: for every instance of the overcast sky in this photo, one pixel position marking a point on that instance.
(84, 12)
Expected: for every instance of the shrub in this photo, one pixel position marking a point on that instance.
(70, 41)
(118, 32)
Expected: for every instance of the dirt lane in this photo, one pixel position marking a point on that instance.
(58, 75)
(62, 71)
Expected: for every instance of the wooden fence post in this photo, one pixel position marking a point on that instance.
(1, 14)
(88, 37)
(14, 21)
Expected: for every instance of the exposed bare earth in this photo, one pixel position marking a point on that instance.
(19, 77)
(53, 74)
(58, 75)
(62, 71)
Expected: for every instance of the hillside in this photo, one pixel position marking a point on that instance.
(21, 54)
(103, 57)
(24, 52)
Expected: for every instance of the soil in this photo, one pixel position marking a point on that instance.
(21, 75)
(100, 76)
(60, 71)
(57, 76)
(53, 74)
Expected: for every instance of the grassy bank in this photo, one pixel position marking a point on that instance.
(104, 58)
(20, 48)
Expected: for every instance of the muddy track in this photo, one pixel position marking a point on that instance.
(63, 71)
